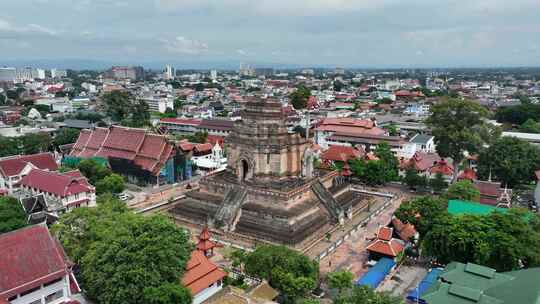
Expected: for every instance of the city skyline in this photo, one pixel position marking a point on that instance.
(301, 33)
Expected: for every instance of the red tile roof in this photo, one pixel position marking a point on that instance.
(29, 257)
(442, 167)
(421, 161)
(350, 125)
(405, 231)
(205, 243)
(201, 273)
(385, 233)
(14, 166)
(468, 173)
(60, 184)
(388, 248)
(341, 153)
(146, 150)
(203, 147)
(213, 139)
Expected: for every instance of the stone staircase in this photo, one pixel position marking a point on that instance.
(226, 216)
(328, 201)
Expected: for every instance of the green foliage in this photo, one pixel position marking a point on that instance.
(385, 100)
(299, 98)
(438, 183)
(12, 215)
(500, 240)
(93, 170)
(509, 160)
(66, 136)
(530, 126)
(112, 183)
(338, 86)
(287, 270)
(8, 146)
(366, 295)
(463, 190)
(166, 294)
(340, 280)
(140, 115)
(169, 113)
(3, 99)
(117, 104)
(392, 130)
(35, 142)
(414, 180)
(197, 137)
(377, 172)
(125, 257)
(458, 126)
(422, 212)
(518, 114)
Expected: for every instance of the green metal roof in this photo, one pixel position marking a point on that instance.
(458, 207)
(471, 283)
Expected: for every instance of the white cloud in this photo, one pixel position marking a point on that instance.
(242, 52)
(6, 26)
(183, 45)
(41, 29)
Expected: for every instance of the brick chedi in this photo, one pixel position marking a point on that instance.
(270, 190)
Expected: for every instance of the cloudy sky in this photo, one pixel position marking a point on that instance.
(305, 32)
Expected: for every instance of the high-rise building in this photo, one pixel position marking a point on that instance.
(38, 74)
(213, 75)
(8, 74)
(56, 73)
(169, 72)
(124, 72)
(24, 74)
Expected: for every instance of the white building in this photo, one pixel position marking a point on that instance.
(159, 103)
(213, 75)
(8, 74)
(419, 142)
(169, 72)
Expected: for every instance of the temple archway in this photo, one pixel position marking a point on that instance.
(244, 170)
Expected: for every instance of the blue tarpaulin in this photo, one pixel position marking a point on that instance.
(416, 294)
(377, 273)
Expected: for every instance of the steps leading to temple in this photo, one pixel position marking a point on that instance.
(328, 201)
(226, 215)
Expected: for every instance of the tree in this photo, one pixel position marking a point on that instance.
(117, 104)
(126, 257)
(198, 137)
(299, 97)
(65, 136)
(287, 270)
(392, 130)
(510, 160)
(389, 161)
(366, 295)
(93, 170)
(338, 86)
(178, 103)
(12, 215)
(140, 115)
(340, 280)
(438, 183)
(413, 179)
(530, 126)
(8, 146)
(112, 183)
(169, 113)
(463, 190)
(3, 99)
(35, 143)
(518, 114)
(422, 212)
(166, 294)
(504, 241)
(459, 126)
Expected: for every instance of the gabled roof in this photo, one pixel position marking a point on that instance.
(468, 173)
(405, 231)
(146, 150)
(422, 161)
(422, 139)
(385, 244)
(201, 273)
(341, 153)
(442, 167)
(60, 184)
(29, 257)
(14, 165)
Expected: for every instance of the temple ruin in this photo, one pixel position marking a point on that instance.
(270, 190)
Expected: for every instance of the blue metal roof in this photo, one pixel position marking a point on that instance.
(416, 294)
(377, 273)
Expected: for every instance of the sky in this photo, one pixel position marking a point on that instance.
(345, 33)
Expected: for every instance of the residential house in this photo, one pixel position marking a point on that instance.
(349, 127)
(14, 168)
(419, 142)
(221, 127)
(34, 268)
